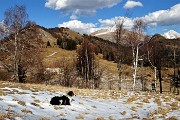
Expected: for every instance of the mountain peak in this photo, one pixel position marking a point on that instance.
(171, 34)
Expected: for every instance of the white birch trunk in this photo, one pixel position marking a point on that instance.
(155, 79)
(87, 67)
(15, 58)
(135, 64)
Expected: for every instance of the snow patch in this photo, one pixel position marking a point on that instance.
(132, 105)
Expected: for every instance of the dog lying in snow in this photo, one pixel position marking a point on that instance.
(62, 100)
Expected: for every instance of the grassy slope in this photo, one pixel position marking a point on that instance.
(53, 55)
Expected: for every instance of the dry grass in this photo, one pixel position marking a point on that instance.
(58, 107)
(80, 117)
(21, 103)
(133, 108)
(9, 115)
(36, 101)
(61, 115)
(2, 93)
(158, 101)
(131, 99)
(93, 106)
(172, 118)
(26, 111)
(162, 111)
(123, 113)
(111, 118)
(100, 118)
(146, 100)
(60, 54)
(22, 93)
(174, 105)
(44, 118)
(3, 116)
(81, 103)
(35, 104)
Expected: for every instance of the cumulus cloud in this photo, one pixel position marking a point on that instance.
(80, 7)
(128, 22)
(131, 4)
(158, 18)
(79, 26)
(163, 17)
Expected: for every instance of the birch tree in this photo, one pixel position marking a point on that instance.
(20, 48)
(86, 61)
(149, 49)
(156, 52)
(15, 19)
(118, 36)
(87, 66)
(136, 36)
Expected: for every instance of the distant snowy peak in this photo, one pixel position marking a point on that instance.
(103, 31)
(106, 34)
(171, 34)
(1, 24)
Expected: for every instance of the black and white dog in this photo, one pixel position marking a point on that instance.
(62, 100)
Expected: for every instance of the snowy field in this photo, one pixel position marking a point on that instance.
(17, 103)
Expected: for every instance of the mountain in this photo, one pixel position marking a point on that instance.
(106, 34)
(171, 34)
(1, 24)
(109, 34)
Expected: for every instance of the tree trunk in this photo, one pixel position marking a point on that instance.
(160, 80)
(155, 74)
(135, 63)
(15, 59)
(119, 65)
(87, 68)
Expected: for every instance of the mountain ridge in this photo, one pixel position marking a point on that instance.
(171, 34)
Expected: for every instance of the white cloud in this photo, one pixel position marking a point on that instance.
(163, 17)
(80, 7)
(128, 22)
(80, 27)
(158, 18)
(73, 17)
(131, 4)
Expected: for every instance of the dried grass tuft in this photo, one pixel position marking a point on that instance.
(21, 103)
(80, 117)
(26, 111)
(131, 99)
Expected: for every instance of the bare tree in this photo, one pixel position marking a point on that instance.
(118, 36)
(21, 48)
(149, 49)
(136, 36)
(156, 53)
(86, 61)
(68, 74)
(15, 19)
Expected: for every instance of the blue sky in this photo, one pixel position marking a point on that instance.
(86, 16)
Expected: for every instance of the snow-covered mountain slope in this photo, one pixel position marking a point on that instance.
(32, 104)
(106, 34)
(1, 24)
(171, 34)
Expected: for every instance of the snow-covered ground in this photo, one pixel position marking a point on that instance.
(32, 104)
